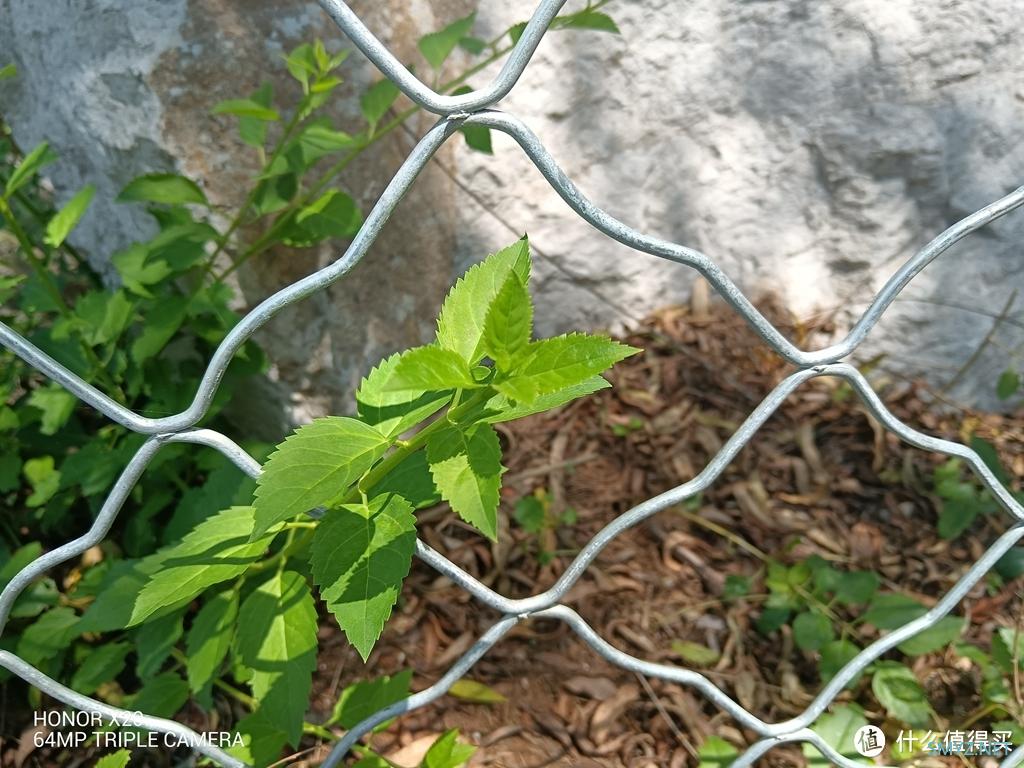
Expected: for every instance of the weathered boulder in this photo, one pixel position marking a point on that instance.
(809, 148)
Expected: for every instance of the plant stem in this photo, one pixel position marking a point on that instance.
(240, 696)
(417, 441)
(291, 545)
(403, 450)
(68, 248)
(312, 729)
(54, 292)
(269, 237)
(236, 222)
(746, 545)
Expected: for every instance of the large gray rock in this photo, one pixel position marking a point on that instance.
(809, 148)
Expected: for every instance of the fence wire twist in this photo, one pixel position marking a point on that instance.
(473, 109)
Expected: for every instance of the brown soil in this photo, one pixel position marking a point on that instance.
(822, 477)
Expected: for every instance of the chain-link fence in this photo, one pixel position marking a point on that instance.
(473, 109)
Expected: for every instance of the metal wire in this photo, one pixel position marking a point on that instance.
(473, 109)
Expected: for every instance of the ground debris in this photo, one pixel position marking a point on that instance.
(822, 477)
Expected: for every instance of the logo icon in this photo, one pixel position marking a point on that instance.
(869, 740)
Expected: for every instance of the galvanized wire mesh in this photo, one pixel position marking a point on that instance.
(473, 109)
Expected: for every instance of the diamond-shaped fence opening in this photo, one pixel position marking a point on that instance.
(474, 109)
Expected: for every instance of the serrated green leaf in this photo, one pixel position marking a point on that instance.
(251, 130)
(812, 630)
(500, 408)
(838, 729)
(277, 641)
(246, 108)
(437, 46)
(394, 412)
(117, 759)
(218, 549)
(137, 272)
(38, 597)
(412, 481)
(587, 19)
(474, 45)
(56, 405)
(334, 214)
(856, 587)
(319, 139)
(168, 188)
(262, 740)
(1008, 384)
(104, 315)
(377, 100)
(60, 226)
(892, 610)
(466, 467)
(460, 326)
(360, 556)
(429, 368)
(956, 516)
(1003, 651)
(313, 466)
(21, 557)
(224, 487)
(102, 665)
(153, 643)
(448, 752)
(50, 634)
(471, 690)
(161, 696)
(8, 71)
(208, 641)
(516, 31)
(530, 514)
(896, 689)
(553, 364)
(301, 63)
(772, 617)
(275, 193)
(834, 656)
(360, 700)
(938, 635)
(163, 320)
(508, 324)
(29, 167)
(44, 479)
(716, 752)
(116, 595)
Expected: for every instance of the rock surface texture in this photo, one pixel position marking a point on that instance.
(808, 147)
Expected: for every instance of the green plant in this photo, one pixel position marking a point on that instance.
(1008, 384)
(535, 515)
(827, 612)
(423, 432)
(832, 614)
(146, 343)
(962, 496)
(118, 759)
(446, 752)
